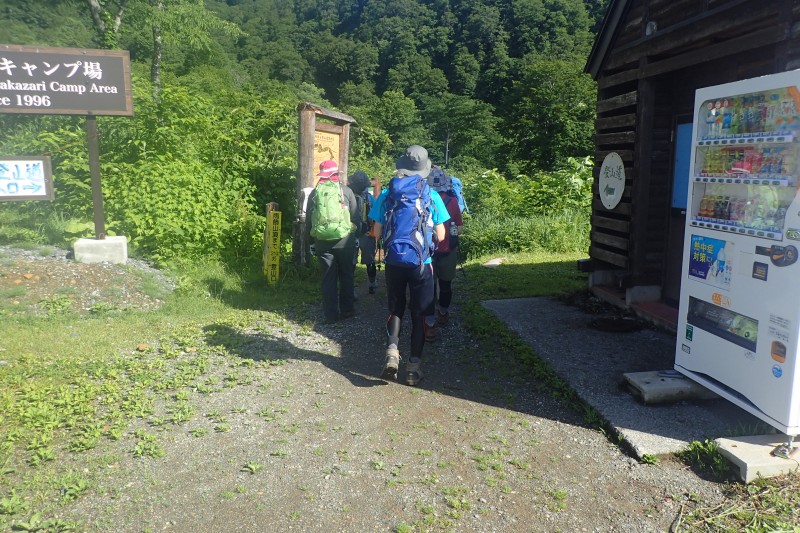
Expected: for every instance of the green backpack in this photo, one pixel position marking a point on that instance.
(330, 219)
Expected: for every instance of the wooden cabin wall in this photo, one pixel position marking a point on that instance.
(646, 82)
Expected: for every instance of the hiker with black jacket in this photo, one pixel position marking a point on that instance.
(361, 186)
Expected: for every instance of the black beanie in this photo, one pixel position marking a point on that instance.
(358, 182)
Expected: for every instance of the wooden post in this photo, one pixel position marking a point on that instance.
(344, 158)
(272, 243)
(307, 149)
(640, 201)
(305, 178)
(94, 171)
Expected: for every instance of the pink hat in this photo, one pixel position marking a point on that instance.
(328, 168)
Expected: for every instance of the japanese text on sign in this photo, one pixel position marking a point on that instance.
(64, 81)
(272, 247)
(25, 178)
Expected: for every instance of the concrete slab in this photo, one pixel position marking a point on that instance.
(492, 263)
(665, 386)
(752, 456)
(593, 363)
(109, 250)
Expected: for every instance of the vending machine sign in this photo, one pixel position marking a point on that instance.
(708, 261)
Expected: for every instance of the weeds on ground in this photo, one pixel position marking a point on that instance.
(766, 505)
(66, 388)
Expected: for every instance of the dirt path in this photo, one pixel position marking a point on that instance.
(320, 443)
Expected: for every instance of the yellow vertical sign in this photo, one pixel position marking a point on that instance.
(272, 246)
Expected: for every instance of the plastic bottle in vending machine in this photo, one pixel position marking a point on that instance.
(789, 162)
(766, 162)
(773, 100)
(747, 115)
(777, 162)
(733, 209)
(703, 210)
(727, 113)
(761, 120)
(736, 108)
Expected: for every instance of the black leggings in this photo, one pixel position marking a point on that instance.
(419, 281)
(445, 293)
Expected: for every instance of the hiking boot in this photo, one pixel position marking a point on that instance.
(413, 373)
(431, 332)
(392, 364)
(442, 318)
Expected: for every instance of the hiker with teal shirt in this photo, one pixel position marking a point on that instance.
(333, 215)
(410, 221)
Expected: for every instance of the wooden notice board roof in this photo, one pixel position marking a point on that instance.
(336, 116)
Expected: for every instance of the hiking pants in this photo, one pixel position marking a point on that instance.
(444, 268)
(419, 282)
(336, 260)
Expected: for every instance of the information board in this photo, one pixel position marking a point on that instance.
(25, 178)
(66, 81)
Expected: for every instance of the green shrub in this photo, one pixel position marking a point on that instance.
(486, 233)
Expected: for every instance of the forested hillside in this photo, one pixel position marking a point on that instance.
(491, 84)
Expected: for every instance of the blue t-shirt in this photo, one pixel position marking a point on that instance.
(439, 213)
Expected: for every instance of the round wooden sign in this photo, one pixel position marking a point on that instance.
(612, 180)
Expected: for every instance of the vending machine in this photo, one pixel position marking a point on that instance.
(739, 316)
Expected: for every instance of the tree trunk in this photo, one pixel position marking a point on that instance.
(447, 147)
(155, 65)
(97, 17)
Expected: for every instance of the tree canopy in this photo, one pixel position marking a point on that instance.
(483, 84)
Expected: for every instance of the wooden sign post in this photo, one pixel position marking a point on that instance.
(324, 134)
(272, 244)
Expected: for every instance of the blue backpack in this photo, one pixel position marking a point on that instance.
(408, 232)
(458, 190)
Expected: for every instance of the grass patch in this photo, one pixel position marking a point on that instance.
(70, 384)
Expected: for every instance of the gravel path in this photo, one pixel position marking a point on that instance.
(315, 441)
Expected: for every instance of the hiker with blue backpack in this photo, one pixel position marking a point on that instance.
(333, 212)
(445, 258)
(410, 221)
(366, 242)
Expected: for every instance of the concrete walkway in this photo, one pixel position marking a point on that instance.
(593, 363)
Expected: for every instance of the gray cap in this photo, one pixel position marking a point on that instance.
(414, 162)
(438, 180)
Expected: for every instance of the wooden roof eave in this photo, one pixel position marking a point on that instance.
(602, 43)
(339, 118)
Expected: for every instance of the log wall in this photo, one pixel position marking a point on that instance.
(647, 81)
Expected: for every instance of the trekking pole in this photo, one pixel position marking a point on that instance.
(461, 260)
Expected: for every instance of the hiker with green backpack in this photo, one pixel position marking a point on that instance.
(333, 212)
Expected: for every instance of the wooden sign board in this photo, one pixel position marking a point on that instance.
(65, 81)
(25, 178)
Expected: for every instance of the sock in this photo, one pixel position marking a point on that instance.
(430, 321)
